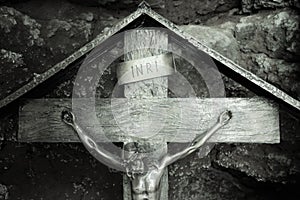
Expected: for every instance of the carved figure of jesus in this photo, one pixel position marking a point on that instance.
(145, 174)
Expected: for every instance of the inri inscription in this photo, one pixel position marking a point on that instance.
(145, 68)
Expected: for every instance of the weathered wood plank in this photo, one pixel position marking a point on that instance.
(143, 43)
(255, 120)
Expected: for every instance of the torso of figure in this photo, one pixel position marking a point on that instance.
(147, 186)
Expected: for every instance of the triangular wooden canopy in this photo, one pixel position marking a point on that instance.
(232, 68)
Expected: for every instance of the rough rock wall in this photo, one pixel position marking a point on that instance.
(262, 36)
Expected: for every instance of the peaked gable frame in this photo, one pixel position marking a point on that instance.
(144, 9)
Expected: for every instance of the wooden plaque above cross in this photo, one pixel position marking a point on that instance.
(255, 120)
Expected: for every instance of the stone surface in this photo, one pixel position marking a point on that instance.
(219, 38)
(115, 3)
(189, 11)
(284, 75)
(43, 41)
(93, 2)
(21, 32)
(249, 6)
(276, 34)
(272, 163)
(197, 178)
(15, 59)
(266, 44)
(269, 45)
(55, 171)
(3, 192)
(35, 35)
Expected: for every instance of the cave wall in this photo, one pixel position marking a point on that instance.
(262, 36)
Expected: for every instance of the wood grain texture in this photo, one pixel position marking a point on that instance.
(255, 120)
(143, 43)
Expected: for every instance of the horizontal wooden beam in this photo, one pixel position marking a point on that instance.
(255, 120)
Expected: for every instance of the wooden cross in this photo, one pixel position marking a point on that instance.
(145, 89)
(255, 119)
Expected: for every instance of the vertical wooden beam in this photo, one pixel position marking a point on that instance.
(140, 44)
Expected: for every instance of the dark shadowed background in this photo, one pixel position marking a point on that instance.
(262, 36)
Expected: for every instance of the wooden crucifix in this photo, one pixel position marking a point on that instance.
(254, 120)
(260, 122)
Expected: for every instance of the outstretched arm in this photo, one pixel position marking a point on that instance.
(198, 141)
(100, 154)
